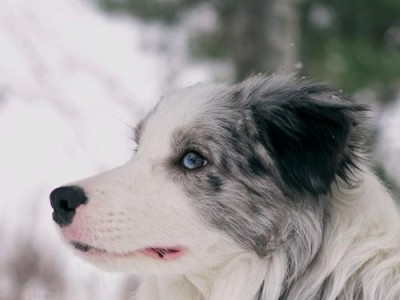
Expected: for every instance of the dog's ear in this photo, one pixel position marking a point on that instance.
(311, 131)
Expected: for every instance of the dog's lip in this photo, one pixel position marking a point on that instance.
(158, 252)
(163, 253)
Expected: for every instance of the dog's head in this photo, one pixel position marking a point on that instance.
(219, 170)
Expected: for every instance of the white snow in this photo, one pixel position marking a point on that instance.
(73, 82)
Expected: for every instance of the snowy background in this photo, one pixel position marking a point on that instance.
(73, 83)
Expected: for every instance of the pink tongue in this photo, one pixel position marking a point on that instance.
(163, 253)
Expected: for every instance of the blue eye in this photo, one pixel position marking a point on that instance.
(193, 160)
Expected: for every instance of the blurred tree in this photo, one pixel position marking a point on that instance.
(28, 265)
(355, 44)
(256, 35)
(261, 34)
(167, 11)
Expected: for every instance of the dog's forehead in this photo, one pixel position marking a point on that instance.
(180, 110)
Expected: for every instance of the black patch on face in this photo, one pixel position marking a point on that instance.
(312, 134)
(215, 183)
(261, 241)
(257, 166)
(224, 165)
(255, 209)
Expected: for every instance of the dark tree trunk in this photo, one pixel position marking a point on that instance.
(263, 35)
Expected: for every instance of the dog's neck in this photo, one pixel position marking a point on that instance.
(238, 279)
(362, 230)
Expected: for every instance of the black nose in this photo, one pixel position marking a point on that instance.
(64, 201)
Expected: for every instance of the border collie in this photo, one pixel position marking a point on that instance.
(255, 191)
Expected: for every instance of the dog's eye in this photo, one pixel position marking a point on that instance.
(193, 160)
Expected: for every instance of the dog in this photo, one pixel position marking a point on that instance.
(260, 190)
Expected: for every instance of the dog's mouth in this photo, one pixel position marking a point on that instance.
(162, 253)
(165, 253)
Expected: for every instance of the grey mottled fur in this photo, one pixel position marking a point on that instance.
(243, 190)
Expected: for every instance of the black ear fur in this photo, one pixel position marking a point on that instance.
(311, 131)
